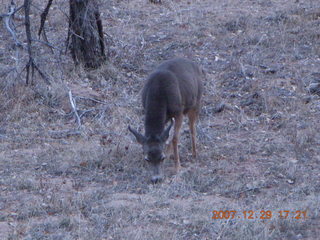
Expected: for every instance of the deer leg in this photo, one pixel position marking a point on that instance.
(175, 141)
(193, 116)
(169, 149)
(169, 145)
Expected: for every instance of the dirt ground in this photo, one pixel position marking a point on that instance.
(258, 134)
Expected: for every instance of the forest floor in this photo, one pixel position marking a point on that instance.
(258, 133)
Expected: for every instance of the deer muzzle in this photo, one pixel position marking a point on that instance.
(157, 175)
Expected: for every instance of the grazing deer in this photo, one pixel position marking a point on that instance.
(174, 89)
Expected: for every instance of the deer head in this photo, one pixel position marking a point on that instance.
(153, 149)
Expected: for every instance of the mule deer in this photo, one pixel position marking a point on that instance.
(174, 89)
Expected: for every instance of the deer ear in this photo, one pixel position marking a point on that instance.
(165, 134)
(140, 138)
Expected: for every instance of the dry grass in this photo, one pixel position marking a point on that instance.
(261, 152)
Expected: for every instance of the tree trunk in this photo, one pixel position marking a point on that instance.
(85, 28)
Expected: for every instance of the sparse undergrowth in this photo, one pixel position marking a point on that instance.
(258, 135)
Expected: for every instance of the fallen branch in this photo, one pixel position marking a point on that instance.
(6, 72)
(93, 100)
(74, 108)
(46, 43)
(86, 111)
(64, 133)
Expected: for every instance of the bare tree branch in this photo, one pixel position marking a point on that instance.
(16, 10)
(8, 22)
(44, 16)
(28, 32)
(31, 63)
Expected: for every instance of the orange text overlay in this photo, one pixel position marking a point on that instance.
(261, 214)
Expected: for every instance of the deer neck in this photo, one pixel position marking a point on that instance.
(155, 118)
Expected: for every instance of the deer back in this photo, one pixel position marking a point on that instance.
(173, 88)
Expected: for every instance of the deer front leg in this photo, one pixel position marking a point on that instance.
(169, 149)
(175, 141)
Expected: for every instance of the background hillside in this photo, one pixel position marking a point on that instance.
(258, 134)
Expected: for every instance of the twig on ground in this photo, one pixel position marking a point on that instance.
(74, 107)
(47, 44)
(64, 133)
(93, 99)
(87, 111)
(223, 229)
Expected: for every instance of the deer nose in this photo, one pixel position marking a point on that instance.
(156, 179)
(157, 175)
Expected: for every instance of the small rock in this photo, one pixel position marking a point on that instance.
(314, 88)
(290, 181)
(185, 221)
(270, 71)
(218, 108)
(306, 99)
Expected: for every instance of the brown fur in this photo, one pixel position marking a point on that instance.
(172, 90)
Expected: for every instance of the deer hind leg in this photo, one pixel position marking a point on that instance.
(193, 116)
(175, 141)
